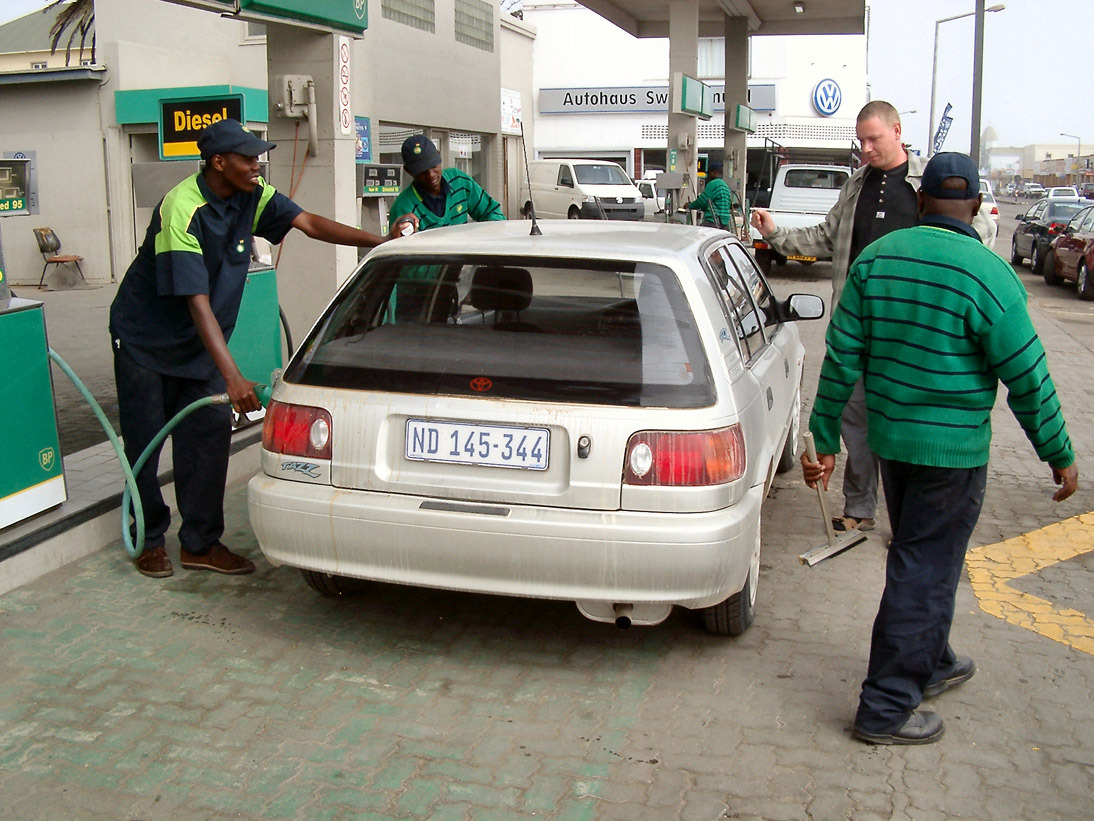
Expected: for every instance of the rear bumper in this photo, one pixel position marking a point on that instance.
(693, 559)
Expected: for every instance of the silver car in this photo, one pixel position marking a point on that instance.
(595, 415)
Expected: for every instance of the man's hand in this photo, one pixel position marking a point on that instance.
(1068, 480)
(762, 221)
(242, 393)
(820, 469)
(398, 228)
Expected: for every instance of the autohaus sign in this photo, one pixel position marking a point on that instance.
(636, 99)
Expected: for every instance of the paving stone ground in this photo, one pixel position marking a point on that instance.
(204, 696)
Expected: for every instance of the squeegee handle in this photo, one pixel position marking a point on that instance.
(811, 454)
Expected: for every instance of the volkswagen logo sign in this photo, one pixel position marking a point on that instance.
(827, 97)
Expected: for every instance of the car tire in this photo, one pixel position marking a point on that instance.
(736, 614)
(763, 260)
(1083, 286)
(573, 213)
(1015, 257)
(789, 458)
(1036, 259)
(1048, 268)
(331, 586)
(779, 259)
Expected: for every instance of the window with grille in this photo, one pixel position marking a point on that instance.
(420, 14)
(475, 24)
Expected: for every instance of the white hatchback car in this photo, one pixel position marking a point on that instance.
(593, 415)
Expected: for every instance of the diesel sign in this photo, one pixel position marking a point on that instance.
(182, 120)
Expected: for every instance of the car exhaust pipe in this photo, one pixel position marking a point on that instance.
(623, 615)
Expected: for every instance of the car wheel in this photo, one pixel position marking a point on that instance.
(763, 260)
(780, 259)
(1048, 268)
(1015, 257)
(1036, 259)
(1083, 286)
(331, 586)
(789, 458)
(735, 615)
(573, 213)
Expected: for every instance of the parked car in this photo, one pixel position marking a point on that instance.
(1067, 192)
(1038, 227)
(992, 208)
(1086, 190)
(801, 196)
(582, 189)
(1071, 256)
(653, 197)
(591, 415)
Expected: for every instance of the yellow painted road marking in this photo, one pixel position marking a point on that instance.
(993, 567)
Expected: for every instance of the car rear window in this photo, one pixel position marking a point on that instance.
(1063, 209)
(812, 178)
(617, 333)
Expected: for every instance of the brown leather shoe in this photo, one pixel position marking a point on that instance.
(217, 558)
(154, 562)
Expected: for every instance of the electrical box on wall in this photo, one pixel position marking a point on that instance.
(290, 99)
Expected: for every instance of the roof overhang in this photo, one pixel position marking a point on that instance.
(53, 75)
(650, 18)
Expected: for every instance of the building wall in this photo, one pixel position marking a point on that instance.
(68, 159)
(517, 53)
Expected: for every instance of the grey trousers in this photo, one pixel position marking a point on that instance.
(860, 475)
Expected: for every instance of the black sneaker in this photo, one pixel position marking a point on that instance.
(962, 670)
(922, 727)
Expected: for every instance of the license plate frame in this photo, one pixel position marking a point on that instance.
(431, 440)
(800, 258)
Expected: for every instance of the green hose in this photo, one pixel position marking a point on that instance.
(131, 496)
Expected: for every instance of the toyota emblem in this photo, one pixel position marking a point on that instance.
(480, 384)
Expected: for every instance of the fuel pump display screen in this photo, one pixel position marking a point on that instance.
(13, 187)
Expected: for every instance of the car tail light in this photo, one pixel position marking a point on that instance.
(297, 430)
(995, 210)
(1057, 227)
(760, 245)
(685, 458)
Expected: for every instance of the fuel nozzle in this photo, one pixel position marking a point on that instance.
(263, 393)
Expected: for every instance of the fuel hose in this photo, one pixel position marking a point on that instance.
(131, 496)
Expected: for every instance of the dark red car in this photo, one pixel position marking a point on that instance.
(1071, 255)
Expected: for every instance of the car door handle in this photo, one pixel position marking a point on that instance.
(770, 399)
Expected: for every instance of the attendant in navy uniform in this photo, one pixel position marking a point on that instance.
(169, 325)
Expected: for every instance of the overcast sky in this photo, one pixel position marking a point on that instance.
(1033, 50)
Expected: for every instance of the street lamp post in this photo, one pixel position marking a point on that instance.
(934, 68)
(1078, 151)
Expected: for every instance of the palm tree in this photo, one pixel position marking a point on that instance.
(75, 17)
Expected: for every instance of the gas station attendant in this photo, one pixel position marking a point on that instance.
(169, 325)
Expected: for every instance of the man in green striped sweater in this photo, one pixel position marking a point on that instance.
(932, 321)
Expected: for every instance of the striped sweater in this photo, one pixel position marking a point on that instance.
(933, 321)
(466, 198)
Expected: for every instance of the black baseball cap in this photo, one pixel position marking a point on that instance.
(229, 135)
(951, 164)
(419, 154)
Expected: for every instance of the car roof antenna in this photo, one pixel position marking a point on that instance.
(535, 232)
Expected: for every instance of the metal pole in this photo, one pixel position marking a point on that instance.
(934, 77)
(977, 82)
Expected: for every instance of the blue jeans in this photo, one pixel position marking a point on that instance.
(200, 446)
(932, 512)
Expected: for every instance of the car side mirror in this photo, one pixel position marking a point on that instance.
(802, 306)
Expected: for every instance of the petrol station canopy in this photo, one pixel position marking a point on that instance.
(650, 18)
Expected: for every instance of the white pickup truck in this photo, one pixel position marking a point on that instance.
(801, 196)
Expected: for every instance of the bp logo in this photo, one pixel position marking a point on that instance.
(46, 458)
(359, 7)
(827, 97)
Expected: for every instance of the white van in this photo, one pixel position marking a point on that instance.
(582, 189)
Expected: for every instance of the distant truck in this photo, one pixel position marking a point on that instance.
(801, 196)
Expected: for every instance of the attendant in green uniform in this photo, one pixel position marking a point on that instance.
(716, 201)
(439, 196)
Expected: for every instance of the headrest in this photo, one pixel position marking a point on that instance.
(501, 289)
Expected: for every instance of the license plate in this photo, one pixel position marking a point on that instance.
(800, 258)
(463, 443)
